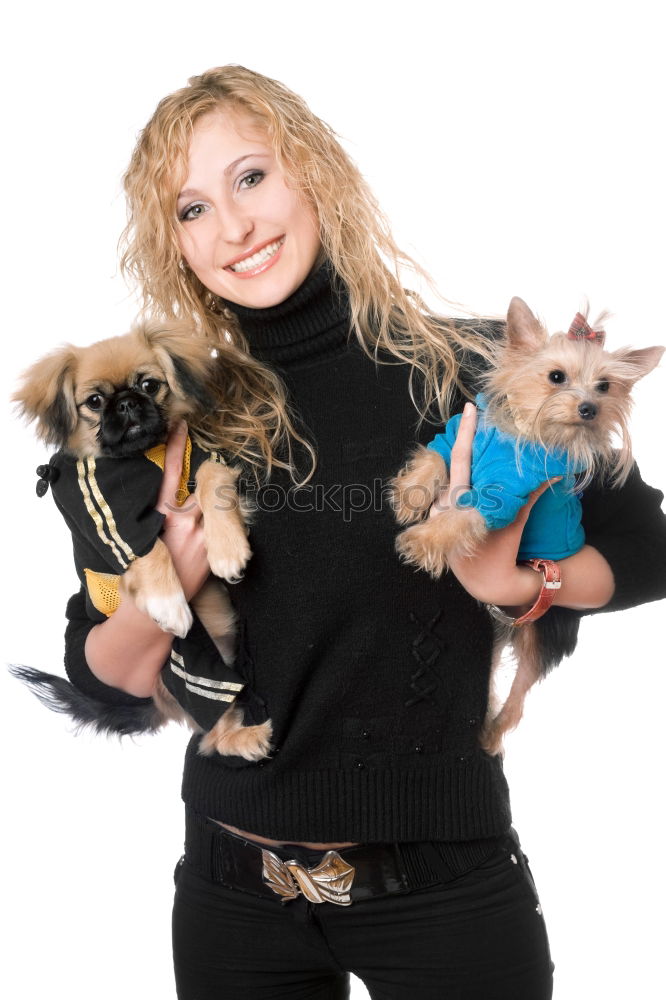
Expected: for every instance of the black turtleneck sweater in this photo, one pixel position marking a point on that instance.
(375, 675)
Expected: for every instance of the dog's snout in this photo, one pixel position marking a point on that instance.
(131, 422)
(588, 411)
(127, 404)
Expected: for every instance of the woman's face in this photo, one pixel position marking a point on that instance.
(247, 236)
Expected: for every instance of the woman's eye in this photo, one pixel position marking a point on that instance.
(252, 179)
(94, 402)
(557, 377)
(603, 386)
(150, 386)
(192, 212)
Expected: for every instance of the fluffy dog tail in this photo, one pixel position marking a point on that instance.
(61, 696)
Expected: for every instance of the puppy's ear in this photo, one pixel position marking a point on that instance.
(46, 394)
(638, 362)
(524, 331)
(186, 359)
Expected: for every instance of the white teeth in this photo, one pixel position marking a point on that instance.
(260, 257)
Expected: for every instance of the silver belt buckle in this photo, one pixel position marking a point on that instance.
(328, 882)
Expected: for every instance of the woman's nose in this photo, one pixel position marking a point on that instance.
(234, 225)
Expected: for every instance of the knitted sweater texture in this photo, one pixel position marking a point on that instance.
(375, 675)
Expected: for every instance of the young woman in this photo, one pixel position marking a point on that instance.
(248, 219)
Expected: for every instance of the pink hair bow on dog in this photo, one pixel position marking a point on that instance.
(580, 329)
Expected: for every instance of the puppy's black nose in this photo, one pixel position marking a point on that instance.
(126, 405)
(588, 411)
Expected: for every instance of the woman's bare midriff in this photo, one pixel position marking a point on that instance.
(282, 843)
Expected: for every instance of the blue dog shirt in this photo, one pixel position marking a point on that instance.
(503, 476)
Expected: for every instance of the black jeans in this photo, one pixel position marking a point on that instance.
(479, 937)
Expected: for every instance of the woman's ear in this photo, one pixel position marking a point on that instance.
(46, 394)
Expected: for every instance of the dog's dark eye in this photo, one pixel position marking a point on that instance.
(95, 401)
(557, 377)
(151, 386)
(603, 386)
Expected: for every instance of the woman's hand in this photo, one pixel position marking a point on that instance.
(182, 532)
(491, 574)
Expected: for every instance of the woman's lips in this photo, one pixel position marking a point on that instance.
(258, 260)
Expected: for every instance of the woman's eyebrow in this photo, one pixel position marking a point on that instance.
(189, 192)
(232, 166)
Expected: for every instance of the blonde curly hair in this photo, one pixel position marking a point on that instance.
(254, 422)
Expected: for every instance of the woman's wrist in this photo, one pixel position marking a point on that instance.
(551, 582)
(523, 590)
(128, 650)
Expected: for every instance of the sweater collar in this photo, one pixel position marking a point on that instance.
(312, 323)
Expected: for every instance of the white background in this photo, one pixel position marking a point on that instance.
(518, 149)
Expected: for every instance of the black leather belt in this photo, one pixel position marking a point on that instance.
(341, 877)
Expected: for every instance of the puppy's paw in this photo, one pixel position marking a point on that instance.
(231, 738)
(152, 583)
(419, 546)
(250, 742)
(410, 503)
(455, 531)
(170, 611)
(417, 485)
(228, 553)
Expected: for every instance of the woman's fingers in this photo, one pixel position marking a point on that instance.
(182, 532)
(491, 574)
(170, 497)
(460, 474)
(524, 511)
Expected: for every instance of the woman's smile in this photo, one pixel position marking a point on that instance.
(257, 260)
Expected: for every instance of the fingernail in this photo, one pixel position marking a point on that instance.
(469, 409)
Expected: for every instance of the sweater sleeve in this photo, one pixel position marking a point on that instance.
(628, 527)
(76, 666)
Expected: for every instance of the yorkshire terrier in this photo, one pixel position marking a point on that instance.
(109, 408)
(551, 410)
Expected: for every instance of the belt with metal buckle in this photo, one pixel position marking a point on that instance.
(340, 877)
(329, 881)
